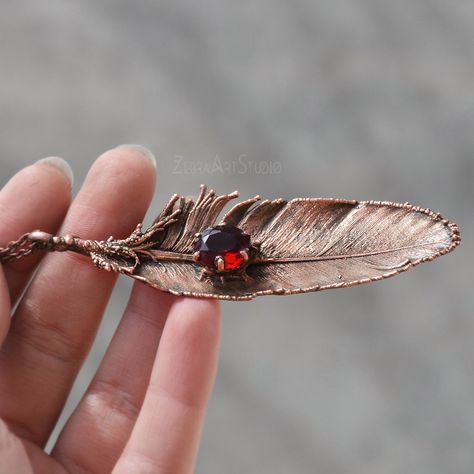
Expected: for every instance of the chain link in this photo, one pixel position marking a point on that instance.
(18, 249)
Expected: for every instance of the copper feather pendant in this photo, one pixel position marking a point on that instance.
(263, 247)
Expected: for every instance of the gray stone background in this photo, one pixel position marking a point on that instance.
(343, 98)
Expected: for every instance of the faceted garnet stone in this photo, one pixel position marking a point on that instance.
(224, 240)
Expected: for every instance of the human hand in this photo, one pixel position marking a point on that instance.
(144, 409)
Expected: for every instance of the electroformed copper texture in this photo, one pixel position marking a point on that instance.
(297, 246)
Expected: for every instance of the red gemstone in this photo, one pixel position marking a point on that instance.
(222, 240)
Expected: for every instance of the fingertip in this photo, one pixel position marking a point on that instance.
(198, 316)
(127, 161)
(38, 195)
(203, 306)
(60, 165)
(134, 155)
(115, 195)
(140, 149)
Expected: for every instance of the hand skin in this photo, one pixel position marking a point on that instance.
(144, 409)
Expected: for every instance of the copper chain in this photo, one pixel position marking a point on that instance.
(19, 248)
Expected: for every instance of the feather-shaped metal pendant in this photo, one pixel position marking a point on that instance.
(264, 247)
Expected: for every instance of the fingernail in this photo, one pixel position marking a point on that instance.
(143, 150)
(61, 165)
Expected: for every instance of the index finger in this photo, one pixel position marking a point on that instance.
(37, 197)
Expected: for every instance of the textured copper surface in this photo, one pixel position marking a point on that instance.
(297, 246)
